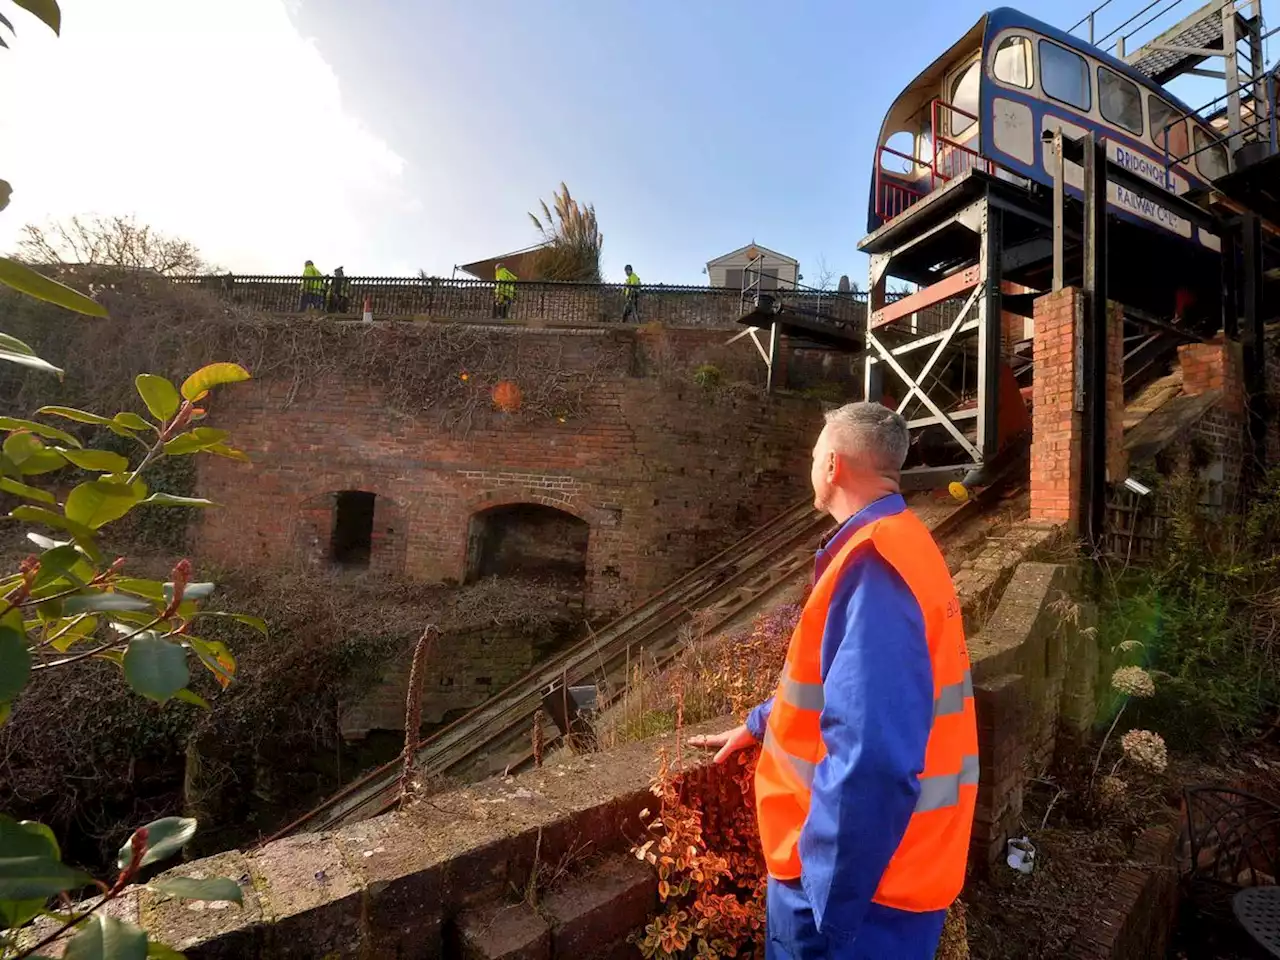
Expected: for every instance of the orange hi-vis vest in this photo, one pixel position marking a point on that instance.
(927, 869)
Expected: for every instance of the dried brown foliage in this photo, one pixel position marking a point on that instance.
(443, 371)
(714, 676)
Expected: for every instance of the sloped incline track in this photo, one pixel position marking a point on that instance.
(495, 736)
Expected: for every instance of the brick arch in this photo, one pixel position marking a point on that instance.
(313, 513)
(479, 506)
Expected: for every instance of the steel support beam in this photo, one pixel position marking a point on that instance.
(1093, 487)
(990, 334)
(1254, 341)
(1059, 211)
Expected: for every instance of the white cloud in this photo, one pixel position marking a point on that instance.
(212, 119)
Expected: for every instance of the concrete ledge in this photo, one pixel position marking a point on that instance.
(420, 883)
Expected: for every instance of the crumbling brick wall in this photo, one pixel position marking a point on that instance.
(665, 472)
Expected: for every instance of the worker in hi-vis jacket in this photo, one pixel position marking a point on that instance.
(868, 772)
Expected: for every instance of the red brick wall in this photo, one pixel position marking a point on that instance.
(666, 473)
(1057, 427)
(1214, 366)
(1055, 448)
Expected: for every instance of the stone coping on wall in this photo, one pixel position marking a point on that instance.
(393, 886)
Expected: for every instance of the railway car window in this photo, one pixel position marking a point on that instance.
(896, 151)
(1211, 161)
(1013, 62)
(1162, 115)
(1064, 75)
(963, 97)
(1119, 100)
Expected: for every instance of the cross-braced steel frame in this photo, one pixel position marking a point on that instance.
(915, 352)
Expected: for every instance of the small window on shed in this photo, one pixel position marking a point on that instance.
(1163, 116)
(1211, 161)
(352, 541)
(1013, 62)
(1064, 76)
(1119, 100)
(733, 278)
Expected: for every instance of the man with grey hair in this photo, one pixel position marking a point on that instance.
(867, 778)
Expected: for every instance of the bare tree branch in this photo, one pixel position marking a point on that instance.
(110, 241)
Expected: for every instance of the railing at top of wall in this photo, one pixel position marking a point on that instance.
(521, 300)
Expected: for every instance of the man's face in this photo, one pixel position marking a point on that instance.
(823, 474)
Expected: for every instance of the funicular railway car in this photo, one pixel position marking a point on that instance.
(989, 107)
(994, 99)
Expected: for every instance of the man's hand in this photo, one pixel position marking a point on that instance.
(725, 744)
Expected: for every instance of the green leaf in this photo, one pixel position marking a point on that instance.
(155, 668)
(100, 501)
(80, 416)
(216, 658)
(29, 493)
(103, 461)
(24, 878)
(35, 363)
(256, 622)
(193, 441)
(27, 838)
(15, 663)
(186, 888)
(5, 710)
(169, 500)
(41, 515)
(215, 374)
(6, 191)
(46, 10)
(43, 429)
(158, 951)
(151, 589)
(160, 396)
(100, 602)
(106, 938)
(200, 590)
(21, 447)
(25, 280)
(81, 627)
(56, 563)
(14, 345)
(165, 837)
(131, 421)
(187, 696)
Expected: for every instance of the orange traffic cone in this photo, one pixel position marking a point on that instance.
(368, 309)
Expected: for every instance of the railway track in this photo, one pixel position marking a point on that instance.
(496, 735)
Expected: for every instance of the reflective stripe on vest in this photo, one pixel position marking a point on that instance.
(927, 870)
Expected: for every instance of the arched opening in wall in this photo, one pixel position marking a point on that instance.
(351, 544)
(528, 541)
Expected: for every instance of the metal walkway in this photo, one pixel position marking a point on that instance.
(496, 736)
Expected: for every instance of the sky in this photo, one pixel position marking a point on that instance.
(389, 136)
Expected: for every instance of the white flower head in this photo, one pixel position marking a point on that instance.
(1146, 749)
(1133, 681)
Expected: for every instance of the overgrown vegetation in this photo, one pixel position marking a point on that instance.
(1206, 617)
(448, 372)
(572, 240)
(713, 676)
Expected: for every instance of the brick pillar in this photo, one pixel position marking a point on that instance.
(1057, 428)
(1214, 366)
